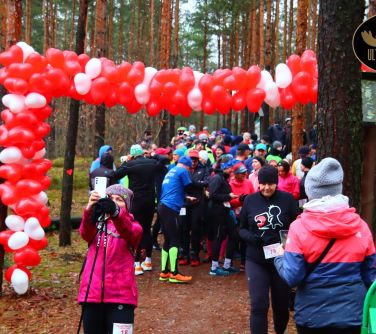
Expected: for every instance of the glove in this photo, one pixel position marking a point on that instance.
(242, 197)
(96, 213)
(109, 206)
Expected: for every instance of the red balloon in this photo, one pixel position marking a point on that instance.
(16, 85)
(42, 113)
(55, 57)
(287, 99)
(4, 136)
(23, 71)
(13, 55)
(72, 67)
(83, 59)
(110, 73)
(253, 77)
(240, 76)
(42, 129)
(135, 76)
(170, 89)
(20, 135)
(8, 193)
(59, 80)
(38, 62)
(155, 88)
(239, 101)
(27, 151)
(38, 244)
(39, 83)
(313, 92)
(27, 206)
(207, 106)
(255, 97)
(4, 237)
(134, 106)
(10, 270)
(293, 62)
(3, 74)
(28, 187)
(308, 64)
(218, 94)
(26, 119)
(27, 256)
(112, 98)
(123, 70)
(139, 65)
(45, 181)
(224, 106)
(100, 88)
(219, 75)
(11, 172)
(186, 80)
(152, 108)
(230, 83)
(206, 84)
(125, 93)
(300, 87)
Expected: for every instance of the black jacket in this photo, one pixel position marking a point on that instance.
(262, 218)
(219, 190)
(141, 172)
(200, 180)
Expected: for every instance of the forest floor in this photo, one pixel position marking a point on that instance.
(206, 305)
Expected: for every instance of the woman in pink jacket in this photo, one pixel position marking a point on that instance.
(286, 181)
(108, 291)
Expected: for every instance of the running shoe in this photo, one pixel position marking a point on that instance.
(164, 276)
(231, 270)
(218, 272)
(183, 262)
(138, 271)
(179, 278)
(146, 266)
(195, 263)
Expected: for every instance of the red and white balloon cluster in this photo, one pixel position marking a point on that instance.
(32, 80)
(23, 169)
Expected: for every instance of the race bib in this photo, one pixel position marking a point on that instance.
(227, 204)
(183, 211)
(122, 328)
(272, 250)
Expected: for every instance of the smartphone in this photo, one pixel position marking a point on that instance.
(100, 185)
(283, 237)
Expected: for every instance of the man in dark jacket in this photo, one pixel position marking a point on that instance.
(192, 220)
(141, 172)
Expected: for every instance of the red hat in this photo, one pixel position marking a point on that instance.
(162, 151)
(194, 154)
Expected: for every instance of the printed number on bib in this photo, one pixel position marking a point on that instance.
(183, 211)
(122, 328)
(272, 250)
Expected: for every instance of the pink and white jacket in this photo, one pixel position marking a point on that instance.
(124, 233)
(290, 184)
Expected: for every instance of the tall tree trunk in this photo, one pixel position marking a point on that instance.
(275, 58)
(28, 20)
(65, 226)
(151, 38)
(254, 29)
(261, 33)
(291, 27)
(285, 24)
(120, 48)
(100, 50)
(11, 14)
(338, 19)
(298, 119)
(110, 30)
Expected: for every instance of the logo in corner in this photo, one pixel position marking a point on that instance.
(364, 43)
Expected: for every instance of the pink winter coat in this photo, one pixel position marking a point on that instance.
(290, 184)
(120, 287)
(240, 188)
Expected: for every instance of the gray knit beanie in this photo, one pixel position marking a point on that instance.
(324, 179)
(120, 190)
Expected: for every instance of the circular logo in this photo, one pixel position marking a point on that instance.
(364, 43)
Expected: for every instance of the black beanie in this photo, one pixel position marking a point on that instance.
(260, 160)
(268, 174)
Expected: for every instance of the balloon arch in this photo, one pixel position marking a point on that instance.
(32, 80)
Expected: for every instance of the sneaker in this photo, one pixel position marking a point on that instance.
(183, 262)
(218, 272)
(164, 276)
(232, 270)
(138, 271)
(146, 266)
(179, 278)
(195, 263)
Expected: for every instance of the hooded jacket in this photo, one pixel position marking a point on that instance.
(333, 294)
(120, 287)
(240, 188)
(96, 163)
(290, 184)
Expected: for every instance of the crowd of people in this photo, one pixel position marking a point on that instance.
(216, 196)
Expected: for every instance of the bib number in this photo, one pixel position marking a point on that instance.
(273, 250)
(122, 328)
(183, 211)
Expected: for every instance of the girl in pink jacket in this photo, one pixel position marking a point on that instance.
(286, 181)
(108, 291)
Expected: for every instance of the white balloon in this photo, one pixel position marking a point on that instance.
(26, 49)
(15, 102)
(265, 78)
(41, 197)
(149, 74)
(10, 155)
(93, 68)
(20, 281)
(271, 90)
(35, 100)
(33, 229)
(40, 154)
(194, 98)
(142, 93)
(18, 240)
(283, 75)
(82, 83)
(198, 76)
(15, 223)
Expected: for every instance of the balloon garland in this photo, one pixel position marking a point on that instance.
(32, 80)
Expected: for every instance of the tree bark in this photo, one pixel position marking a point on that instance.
(151, 34)
(298, 119)
(339, 115)
(65, 227)
(261, 35)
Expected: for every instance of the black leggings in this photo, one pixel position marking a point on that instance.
(192, 227)
(98, 318)
(328, 330)
(143, 212)
(170, 226)
(223, 226)
(261, 279)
